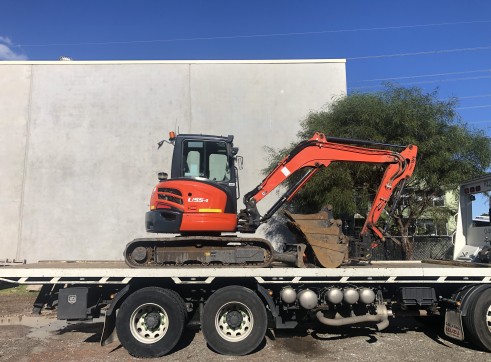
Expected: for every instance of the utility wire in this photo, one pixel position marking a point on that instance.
(467, 97)
(260, 35)
(420, 76)
(427, 82)
(476, 96)
(472, 107)
(441, 51)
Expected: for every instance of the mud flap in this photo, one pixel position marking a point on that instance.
(323, 234)
(453, 324)
(109, 332)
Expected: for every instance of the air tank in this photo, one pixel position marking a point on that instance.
(307, 299)
(367, 296)
(288, 295)
(351, 295)
(334, 295)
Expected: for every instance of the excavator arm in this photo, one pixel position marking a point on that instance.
(319, 152)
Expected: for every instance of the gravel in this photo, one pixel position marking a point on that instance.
(46, 339)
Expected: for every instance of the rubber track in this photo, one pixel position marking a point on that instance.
(178, 243)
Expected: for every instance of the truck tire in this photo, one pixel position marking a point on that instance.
(150, 322)
(478, 319)
(234, 321)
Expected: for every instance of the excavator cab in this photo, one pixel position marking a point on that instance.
(201, 194)
(205, 157)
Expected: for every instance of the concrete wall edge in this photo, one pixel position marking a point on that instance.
(112, 62)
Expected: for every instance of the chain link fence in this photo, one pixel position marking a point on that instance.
(424, 247)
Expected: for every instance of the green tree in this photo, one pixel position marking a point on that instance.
(449, 152)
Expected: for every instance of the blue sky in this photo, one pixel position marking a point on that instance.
(430, 44)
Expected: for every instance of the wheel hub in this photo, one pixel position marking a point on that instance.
(234, 319)
(149, 323)
(152, 320)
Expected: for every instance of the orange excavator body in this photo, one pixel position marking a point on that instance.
(202, 205)
(200, 199)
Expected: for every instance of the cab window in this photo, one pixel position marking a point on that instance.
(206, 159)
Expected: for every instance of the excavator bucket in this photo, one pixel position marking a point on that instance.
(323, 233)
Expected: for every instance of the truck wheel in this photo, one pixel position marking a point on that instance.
(150, 322)
(234, 321)
(478, 319)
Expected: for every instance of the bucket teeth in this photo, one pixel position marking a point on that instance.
(323, 233)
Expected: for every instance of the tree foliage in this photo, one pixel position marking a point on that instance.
(449, 153)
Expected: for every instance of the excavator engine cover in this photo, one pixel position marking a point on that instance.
(323, 233)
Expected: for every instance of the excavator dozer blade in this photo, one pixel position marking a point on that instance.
(323, 234)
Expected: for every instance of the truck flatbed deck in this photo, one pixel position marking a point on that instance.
(117, 272)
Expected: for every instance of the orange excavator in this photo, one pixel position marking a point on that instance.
(199, 204)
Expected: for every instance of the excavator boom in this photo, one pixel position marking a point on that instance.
(319, 152)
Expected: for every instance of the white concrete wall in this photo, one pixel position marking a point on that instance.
(78, 139)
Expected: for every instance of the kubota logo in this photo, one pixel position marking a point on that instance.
(197, 199)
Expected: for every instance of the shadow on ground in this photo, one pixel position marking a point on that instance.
(431, 327)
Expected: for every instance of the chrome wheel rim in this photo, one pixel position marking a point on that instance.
(488, 318)
(149, 323)
(234, 321)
